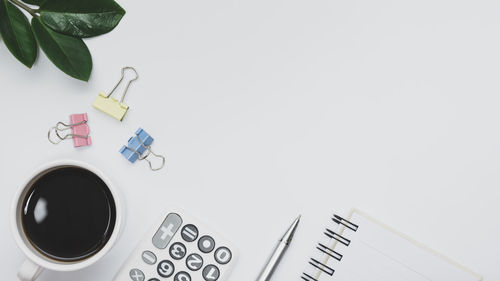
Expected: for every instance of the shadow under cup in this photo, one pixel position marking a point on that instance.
(68, 213)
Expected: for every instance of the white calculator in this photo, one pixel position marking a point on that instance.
(179, 248)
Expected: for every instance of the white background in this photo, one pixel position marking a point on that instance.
(271, 108)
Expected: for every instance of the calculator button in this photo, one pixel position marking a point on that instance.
(148, 257)
(166, 268)
(211, 273)
(189, 233)
(194, 262)
(137, 275)
(177, 251)
(206, 244)
(223, 255)
(182, 276)
(167, 230)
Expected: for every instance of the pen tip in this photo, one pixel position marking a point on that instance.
(291, 231)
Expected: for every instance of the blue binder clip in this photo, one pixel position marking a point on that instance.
(139, 148)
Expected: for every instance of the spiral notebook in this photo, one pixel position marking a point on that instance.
(358, 248)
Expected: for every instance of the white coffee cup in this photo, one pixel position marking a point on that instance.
(36, 261)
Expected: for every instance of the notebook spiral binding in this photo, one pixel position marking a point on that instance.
(328, 251)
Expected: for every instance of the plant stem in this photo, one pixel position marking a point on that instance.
(24, 6)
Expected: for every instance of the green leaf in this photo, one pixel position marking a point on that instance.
(34, 2)
(16, 33)
(69, 54)
(81, 18)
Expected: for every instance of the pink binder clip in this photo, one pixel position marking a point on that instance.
(80, 128)
(79, 131)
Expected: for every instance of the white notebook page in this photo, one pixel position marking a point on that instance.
(377, 253)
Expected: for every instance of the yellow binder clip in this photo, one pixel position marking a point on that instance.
(112, 106)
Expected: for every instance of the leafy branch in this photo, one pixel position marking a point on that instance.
(25, 7)
(57, 26)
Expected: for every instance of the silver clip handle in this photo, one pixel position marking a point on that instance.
(60, 127)
(147, 153)
(128, 84)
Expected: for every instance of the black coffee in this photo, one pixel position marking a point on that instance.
(68, 214)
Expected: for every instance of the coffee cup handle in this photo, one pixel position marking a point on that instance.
(29, 271)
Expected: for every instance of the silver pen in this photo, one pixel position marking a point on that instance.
(278, 253)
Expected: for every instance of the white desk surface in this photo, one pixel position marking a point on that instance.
(271, 108)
